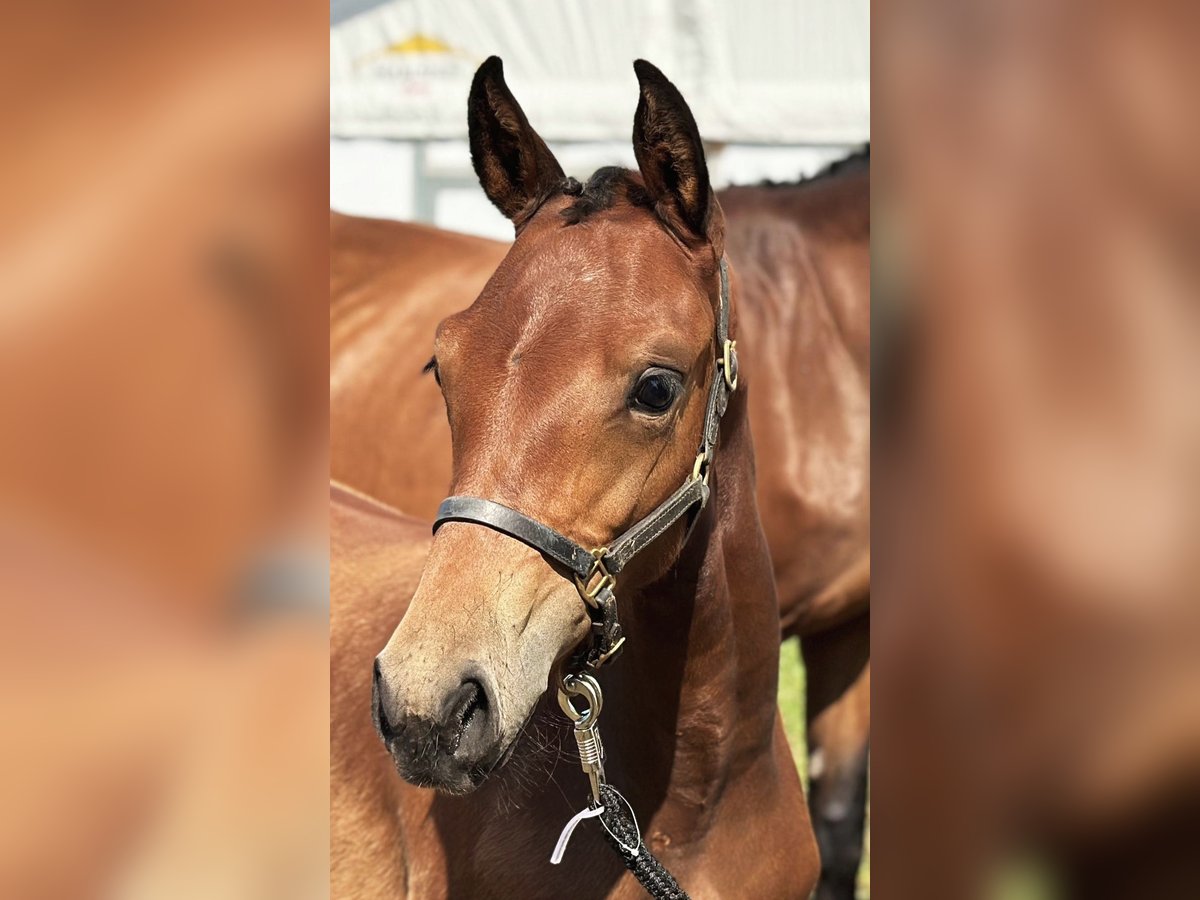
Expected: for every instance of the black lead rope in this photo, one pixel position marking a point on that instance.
(625, 838)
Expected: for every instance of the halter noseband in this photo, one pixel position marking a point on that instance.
(595, 570)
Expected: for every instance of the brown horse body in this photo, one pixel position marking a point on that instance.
(803, 255)
(390, 286)
(376, 557)
(802, 265)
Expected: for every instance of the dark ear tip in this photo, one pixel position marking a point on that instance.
(492, 67)
(647, 72)
(491, 71)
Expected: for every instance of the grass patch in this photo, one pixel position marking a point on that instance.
(791, 702)
(791, 707)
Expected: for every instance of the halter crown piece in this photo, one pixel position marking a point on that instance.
(595, 572)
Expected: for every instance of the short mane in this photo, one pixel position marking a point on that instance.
(857, 161)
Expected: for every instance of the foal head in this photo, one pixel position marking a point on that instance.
(575, 387)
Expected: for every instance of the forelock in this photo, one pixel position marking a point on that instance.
(604, 190)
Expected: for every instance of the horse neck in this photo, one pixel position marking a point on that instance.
(691, 704)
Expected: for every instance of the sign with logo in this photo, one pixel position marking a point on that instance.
(754, 71)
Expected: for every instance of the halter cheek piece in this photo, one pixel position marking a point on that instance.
(595, 570)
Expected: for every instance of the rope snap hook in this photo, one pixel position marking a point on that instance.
(587, 735)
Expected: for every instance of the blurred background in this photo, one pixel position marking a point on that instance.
(778, 90)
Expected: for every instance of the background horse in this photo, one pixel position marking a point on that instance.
(801, 254)
(619, 277)
(376, 555)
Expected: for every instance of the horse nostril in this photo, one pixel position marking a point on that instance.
(383, 725)
(468, 712)
(477, 702)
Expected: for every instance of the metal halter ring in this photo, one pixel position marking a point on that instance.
(605, 657)
(581, 685)
(729, 364)
(700, 468)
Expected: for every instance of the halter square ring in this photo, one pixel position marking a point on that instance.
(729, 364)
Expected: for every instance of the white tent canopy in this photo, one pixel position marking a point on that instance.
(753, 72)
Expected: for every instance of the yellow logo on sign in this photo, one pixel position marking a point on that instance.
(420, 43)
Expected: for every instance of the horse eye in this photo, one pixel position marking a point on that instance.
(656, 390)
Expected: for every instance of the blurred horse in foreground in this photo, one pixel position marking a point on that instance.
(162, 405)
(1037, 489)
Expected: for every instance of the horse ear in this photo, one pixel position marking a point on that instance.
(670, 155)
(514, 165)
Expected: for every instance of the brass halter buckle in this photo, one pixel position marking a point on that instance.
(599, 661)
(598, 578)
(729, 364)
(700, 468)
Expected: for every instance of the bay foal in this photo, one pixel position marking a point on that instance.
(575, 388)
(801, 252)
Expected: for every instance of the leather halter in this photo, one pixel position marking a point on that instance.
(595, 570)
